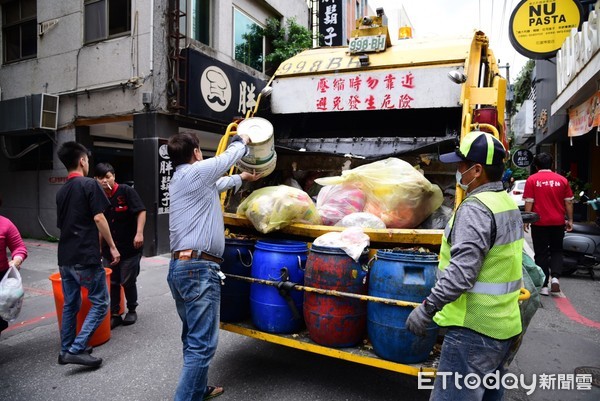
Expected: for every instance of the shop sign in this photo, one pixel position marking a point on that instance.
(217, 91)
(57, 180)
(331, 19)
(523, 158)
(365, 90)
(578, 49)
(585, 116)
(165, 172)
(538, 28)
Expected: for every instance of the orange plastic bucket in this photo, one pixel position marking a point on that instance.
(102, 333)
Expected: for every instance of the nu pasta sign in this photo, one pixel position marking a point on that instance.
(538, 28)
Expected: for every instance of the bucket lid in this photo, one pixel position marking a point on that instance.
(257, 128)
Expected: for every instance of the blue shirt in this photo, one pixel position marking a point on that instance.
(195, 215)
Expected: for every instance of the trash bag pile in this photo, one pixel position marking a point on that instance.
(393, 190)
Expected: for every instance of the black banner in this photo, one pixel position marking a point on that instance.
(165, 172)
(331, 22)
(217, 91)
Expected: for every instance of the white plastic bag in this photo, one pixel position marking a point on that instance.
(11, 294)
(352, 240)
(361, 219)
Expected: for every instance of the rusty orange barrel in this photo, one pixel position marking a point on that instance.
(335, 321)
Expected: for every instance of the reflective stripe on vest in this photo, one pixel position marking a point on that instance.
(491, 306)
(496, 288)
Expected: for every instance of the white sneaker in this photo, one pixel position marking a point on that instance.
(544, 291)
(554, 285)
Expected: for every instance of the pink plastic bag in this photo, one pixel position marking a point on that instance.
(336, 201)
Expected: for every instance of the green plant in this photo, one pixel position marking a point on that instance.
(522, 86)
(281, 44)
(286, 41)
(577, 185)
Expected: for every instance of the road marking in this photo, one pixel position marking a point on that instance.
(30, 321)
(38, 291)
(565, 306)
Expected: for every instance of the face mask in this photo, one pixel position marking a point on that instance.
(459, 175)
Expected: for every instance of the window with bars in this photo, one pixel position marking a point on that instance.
(19, 30)
(105, 19)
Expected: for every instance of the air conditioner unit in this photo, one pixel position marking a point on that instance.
(49, 112)
(28, 114)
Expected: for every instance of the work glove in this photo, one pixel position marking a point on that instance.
(418, 320)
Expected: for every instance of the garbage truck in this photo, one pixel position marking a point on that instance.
(337, 108)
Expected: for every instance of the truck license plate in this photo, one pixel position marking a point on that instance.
(367, 44)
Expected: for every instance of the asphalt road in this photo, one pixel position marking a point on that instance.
(143, 361)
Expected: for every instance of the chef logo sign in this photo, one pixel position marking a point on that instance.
(523, 158)
(217, 91)
(215, 88)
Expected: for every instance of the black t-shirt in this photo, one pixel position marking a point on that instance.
(125, 204)
(77, 202)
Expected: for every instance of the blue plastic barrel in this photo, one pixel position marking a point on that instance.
(335, 321)
(407, 276)
(235, 294)
(269, 310)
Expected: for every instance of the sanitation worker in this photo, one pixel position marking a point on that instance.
(479, 277)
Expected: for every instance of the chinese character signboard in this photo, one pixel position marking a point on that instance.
(331, 22)
(218, 91)
(538, 28)
(523, 158)
(366, 90)
(165, 172)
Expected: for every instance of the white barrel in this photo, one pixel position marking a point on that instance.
(262, 169)
(262, 148)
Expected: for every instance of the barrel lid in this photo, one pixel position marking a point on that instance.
(257, 128)
(281, 245)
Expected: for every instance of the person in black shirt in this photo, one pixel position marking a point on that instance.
(80, 206)
(126, 218)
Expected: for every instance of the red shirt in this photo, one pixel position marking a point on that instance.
(548, 191)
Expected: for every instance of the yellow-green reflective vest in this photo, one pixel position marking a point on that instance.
(491, 306)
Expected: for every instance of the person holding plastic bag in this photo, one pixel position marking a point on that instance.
(10, 239)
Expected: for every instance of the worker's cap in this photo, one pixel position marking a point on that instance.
(478, 147)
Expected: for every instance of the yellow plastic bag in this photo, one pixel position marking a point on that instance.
(271, 208)
(396, 192)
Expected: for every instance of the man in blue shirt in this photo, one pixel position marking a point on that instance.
(197, 243)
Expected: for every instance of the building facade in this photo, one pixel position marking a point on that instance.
(561, 86)
(121, 77)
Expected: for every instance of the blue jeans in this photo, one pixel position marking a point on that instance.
(196, 288)
(465, 351)
(93, 278)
